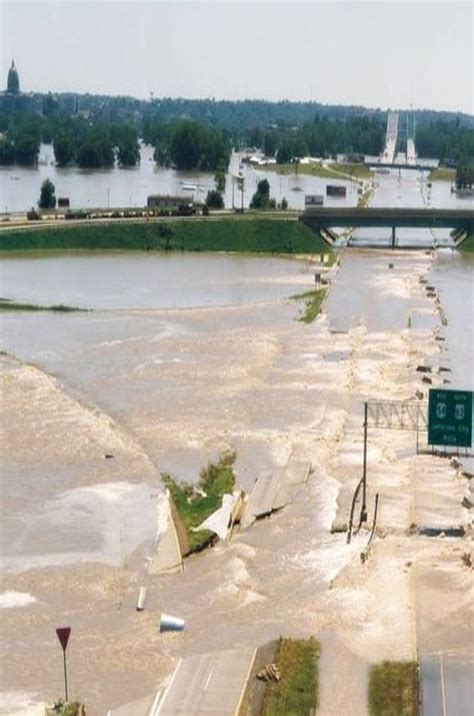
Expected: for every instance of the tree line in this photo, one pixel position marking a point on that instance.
(75, 141)
(206, 143)
(322, 137)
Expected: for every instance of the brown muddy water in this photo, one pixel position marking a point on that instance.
(183, 358)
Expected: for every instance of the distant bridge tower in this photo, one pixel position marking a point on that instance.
(391, 139)
(411, 130)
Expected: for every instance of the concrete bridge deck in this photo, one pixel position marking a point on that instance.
(327, 217)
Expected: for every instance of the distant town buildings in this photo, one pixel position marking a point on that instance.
(14, 100)
(68, 103)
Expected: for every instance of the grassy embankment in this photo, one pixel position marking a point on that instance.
(313, 301)
(442, 174)
(246, 235)
(364, 198)
(297, 693)
(8, 305)
(468, 244)
(394, 689)
(334, 171)
(193, 507)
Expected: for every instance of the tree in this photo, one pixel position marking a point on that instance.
(465, 176)
(261, 198)
(219, 180)
(214, 200)
(27, 150)
(47, 197)
(64, 148)
(128, 153)
(284, 204)
(7, 152)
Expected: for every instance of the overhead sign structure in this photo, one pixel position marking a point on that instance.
(450, 418)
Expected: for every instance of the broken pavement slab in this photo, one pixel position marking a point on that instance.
(212, 683)
(168, 555)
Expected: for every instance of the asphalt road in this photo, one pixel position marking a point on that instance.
(208, 684)
(447, 688)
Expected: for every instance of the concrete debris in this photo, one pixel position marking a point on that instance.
(167, 558)
(170, 623)
(270, 672)
(220, 520)
(141, 599)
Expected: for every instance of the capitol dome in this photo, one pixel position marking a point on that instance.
(13, 82)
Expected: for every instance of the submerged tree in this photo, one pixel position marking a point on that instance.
(261, 198)
(214, 200)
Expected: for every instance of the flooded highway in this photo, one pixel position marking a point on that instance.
(181, 358)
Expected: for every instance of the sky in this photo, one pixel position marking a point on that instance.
(378, 54)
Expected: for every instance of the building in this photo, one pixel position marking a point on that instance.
(13, 80)
(174, 203)
(14, 100)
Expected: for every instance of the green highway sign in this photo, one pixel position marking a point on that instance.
(450, 418)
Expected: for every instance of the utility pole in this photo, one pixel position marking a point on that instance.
(363, 511)
(240, 184)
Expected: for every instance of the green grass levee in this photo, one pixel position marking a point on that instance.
(248, 234)
(297, 693)
(394, 689)
(442, 174)
(330, 171)
(194, 506)
(468, 244)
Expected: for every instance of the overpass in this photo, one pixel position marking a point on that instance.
(459, 221)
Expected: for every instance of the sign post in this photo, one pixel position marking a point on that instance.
(450, 418)
(63, 636)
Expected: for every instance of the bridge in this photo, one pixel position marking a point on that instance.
(323, 220)
(400, 135)
(388, 156)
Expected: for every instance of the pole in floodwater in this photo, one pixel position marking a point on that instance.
(63, 634)
(363, 512)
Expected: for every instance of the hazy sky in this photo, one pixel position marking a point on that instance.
(379, 53)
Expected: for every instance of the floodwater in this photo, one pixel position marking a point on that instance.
(410, 189)
(184, 357)
(117, 187)
(147, 280)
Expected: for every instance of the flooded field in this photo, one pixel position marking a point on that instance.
(119, 187)
(182, 358)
